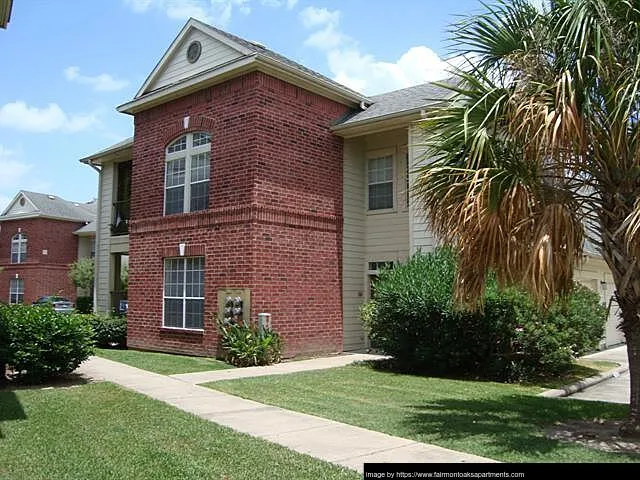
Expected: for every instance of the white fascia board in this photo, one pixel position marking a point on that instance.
(204, 79)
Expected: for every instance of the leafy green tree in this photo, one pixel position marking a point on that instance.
(537, 150)
(82, 273)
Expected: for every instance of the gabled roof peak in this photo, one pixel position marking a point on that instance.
(173, 76)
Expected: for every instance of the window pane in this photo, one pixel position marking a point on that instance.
(195, 277)
(14, 257)
(194, 316)
(174, 201)
(381, 196)
(173, 278)
(201, 138)
(175, 172)
(380, 170)
(16, 290)
(200, 167)
(173, 312)
(176, 270)
(178, 145)
(199, 196)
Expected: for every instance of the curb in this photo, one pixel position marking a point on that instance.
(582, 384)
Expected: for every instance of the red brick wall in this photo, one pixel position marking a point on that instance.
(275, 217)
(42, 274)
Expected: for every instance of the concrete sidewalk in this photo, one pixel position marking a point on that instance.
(277, 369)
(610, 386)
(613, 388)
(327, 440)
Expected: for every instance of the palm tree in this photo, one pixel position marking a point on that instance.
(537, 150)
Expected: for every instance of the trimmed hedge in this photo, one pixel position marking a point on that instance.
(109, 331)
(42, 343)
(84, 304)
(413, 319)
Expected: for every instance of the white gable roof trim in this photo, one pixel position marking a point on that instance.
(191, 24)
(251, 58)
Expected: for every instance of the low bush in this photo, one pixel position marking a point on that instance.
(84, 304)
(4, 347)
(413, 319)
(110, 331)
(248, 345)
(44, 343)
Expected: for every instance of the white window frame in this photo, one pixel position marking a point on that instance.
(16, 287)
(387, 153)
(184, 298)
(17, 242)
(187, 154)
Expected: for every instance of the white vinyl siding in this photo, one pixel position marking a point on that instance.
(595, 274)
(187, 174)
(19, 248)
(16, 291)
(353, 243)
(422, 238)
(178, 68)
(370, 236)
(184, 293)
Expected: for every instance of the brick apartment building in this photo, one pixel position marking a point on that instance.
(40, 235)
(251, 177)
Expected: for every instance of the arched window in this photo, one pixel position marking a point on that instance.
(188, 160)
(19, 248)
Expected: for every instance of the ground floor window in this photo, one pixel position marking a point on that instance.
(16, 291)
(373, 269)
(184, 293)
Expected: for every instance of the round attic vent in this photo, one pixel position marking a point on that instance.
(194, 51)
(22, 202)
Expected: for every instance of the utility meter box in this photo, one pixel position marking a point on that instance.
(234, 305)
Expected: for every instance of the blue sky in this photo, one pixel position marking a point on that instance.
(68, 63)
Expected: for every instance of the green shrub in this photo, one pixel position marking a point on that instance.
(110, 331)
(4, 346)
(44, 343)
(247, 345)
(84, 304)
(413, 319)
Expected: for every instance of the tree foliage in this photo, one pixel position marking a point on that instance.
(82, 273)
(537, 150)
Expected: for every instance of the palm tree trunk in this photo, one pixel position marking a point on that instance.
(626, 275)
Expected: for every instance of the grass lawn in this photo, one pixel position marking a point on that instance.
(500, 421)
(100, 431)
(164, 363)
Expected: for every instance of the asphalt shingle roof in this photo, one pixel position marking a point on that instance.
(398, 101)
(53, 206)
(262, 50)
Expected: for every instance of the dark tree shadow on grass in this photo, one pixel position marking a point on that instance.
(511, 423)
(10, 408)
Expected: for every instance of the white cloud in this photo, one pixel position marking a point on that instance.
(20, 116)
(13, 171)
(217, 12)
(139, 5)
(319, 17)
(100, 83)
(16, 175)
(361, 71)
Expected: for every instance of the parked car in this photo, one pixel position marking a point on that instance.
(59, 304)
